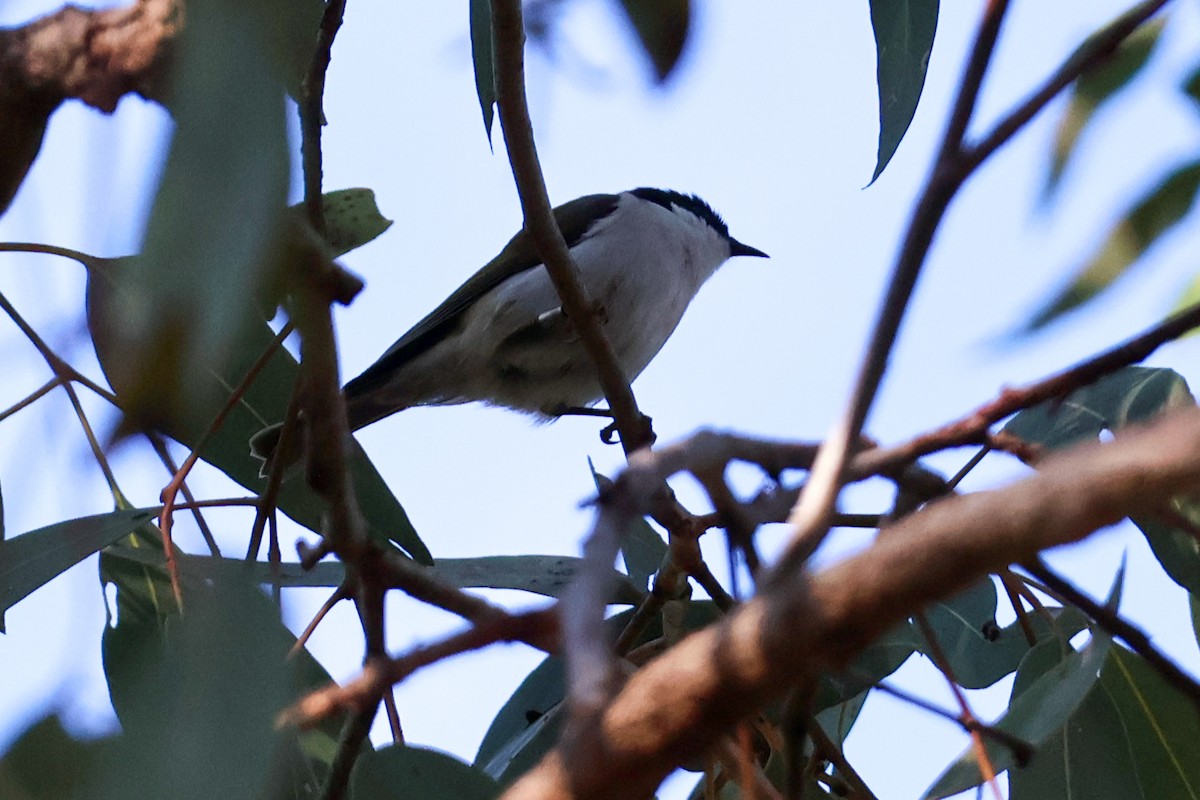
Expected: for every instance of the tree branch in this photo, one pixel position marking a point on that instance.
(509, 36)
(801, 624)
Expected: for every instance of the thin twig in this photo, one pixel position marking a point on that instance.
(1111, 621)
(972, 428)
(1098, 47)
(811, 518)
(509, 42)
(29, 400)
(1021, 750)
(830, 751)
(982, 759)
(164, 455)
(167, 496)
(365, 691)
(339, 594)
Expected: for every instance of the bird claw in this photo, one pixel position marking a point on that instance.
(608, 434)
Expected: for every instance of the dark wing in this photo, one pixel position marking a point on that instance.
(575, 219)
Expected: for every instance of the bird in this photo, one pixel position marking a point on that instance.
(503, 339)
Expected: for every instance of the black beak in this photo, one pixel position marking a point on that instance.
(736, 248)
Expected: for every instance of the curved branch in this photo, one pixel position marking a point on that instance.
(509, 34)
(801, 624)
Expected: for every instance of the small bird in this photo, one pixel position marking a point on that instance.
(502, 337)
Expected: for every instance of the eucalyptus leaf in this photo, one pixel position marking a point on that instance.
(548, 575)
(264, 402)
(417, 773)
(484, 59)
(1094, 88)
(1125, 397)
(904, 31)
(642, 548)
(662, 27)
(32, 559)
(1151, 217)
(216, 223)
(47, 762)
(1037, 710)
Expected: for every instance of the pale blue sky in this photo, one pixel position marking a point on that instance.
(772, 119)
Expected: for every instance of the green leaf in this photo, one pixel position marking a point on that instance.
(32, 559)
(838, 720)
(46, 762)
(1038, 708)
(352, 218)
(483, 57)
(904, 31)
(662, 27)
(1191, 86)
(216, 224)
(870, 667)
(1121, 398)
(527, 725)
(1082, 758)
(1162, 727)
(417, 773)
(541, 691)
(264, 403)
(548, 576)
(642, 548)
(1096, 87)
(200, 690)
(1125, 397)
(981, 653)
(1150, 217)
(1133, 737)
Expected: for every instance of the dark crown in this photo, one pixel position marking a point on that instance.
(690, 202)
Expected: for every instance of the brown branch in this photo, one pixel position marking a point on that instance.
(509, 40)
(811, 518)
(1111, 621)
(379, 674)
(97, 56)
(972, 429)
(707, 683)
(1091, 53)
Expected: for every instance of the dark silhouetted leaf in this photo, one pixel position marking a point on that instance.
(22, 128)
(45, 762)
(416, 773)
(1151, 217)
(662, 26)
(1094, 88)
(483, 57)
(32, 559)
(904, 31)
